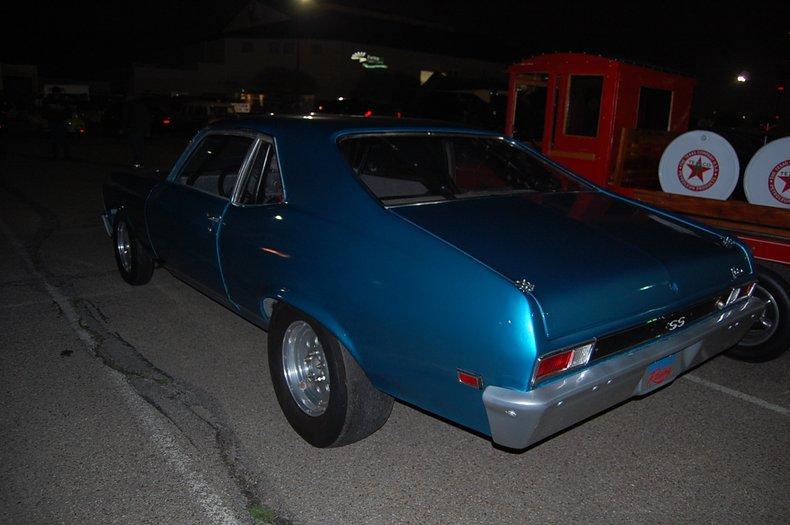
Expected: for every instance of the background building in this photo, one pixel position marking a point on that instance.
(320, 51)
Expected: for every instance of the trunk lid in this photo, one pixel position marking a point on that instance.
(594, 260)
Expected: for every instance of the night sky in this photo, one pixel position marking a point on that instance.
(709, 40)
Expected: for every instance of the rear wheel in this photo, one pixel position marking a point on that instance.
(769, 337)
(135, 263)
(322, 391)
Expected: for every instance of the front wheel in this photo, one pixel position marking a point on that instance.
(322, 391)
(769, 337)
(135, 263)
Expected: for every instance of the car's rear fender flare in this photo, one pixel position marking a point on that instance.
(324, 317)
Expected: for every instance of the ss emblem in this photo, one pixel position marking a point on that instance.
(674, 324)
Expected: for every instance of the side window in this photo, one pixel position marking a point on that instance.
(584, 105)
(264, 184)
(655, 108)
(214, 165)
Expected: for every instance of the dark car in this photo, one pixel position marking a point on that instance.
(113, 119)
(357, 107)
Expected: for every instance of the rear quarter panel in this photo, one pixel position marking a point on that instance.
(410, 308)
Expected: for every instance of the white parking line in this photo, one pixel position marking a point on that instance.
(152, 422)
(740, 395)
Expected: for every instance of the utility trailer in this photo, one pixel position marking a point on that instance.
(610, 121)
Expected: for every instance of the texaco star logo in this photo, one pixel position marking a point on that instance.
(698, 170)
(779, 182)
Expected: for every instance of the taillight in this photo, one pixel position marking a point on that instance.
(369, 113)
(563, 360)
(166, 121)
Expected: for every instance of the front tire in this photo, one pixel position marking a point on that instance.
(322, 391)
(135, 263)
(769, 337)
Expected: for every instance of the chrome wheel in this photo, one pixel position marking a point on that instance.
(765, 326)
(122, 246)
(305, 368)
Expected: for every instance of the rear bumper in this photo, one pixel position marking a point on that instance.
(519, 419)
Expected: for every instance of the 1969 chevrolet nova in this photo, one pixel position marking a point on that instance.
(448, 267)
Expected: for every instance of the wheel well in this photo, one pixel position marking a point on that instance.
(332, 326)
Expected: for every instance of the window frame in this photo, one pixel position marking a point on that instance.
(272, 143)
(195, 143)
(590, 186)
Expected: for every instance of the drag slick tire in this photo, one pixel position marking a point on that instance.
(135, 263)
(322, 391)
(769, 337)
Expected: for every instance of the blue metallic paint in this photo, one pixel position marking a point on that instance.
(404, 289)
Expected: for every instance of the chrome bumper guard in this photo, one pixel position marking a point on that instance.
(519, 419)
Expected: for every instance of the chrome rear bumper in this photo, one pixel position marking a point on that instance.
(519, 419)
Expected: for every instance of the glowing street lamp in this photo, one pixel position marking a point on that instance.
(742, 77)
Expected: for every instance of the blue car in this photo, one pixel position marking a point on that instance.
(451, 268)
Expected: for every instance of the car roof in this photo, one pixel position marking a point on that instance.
(334, 125)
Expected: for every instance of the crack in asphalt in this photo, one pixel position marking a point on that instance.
(152, 384)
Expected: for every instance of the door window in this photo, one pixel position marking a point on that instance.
(214, 165)
(584, 105)
(264, 184)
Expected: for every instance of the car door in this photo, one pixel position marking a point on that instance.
(252, 240)
(185, 213)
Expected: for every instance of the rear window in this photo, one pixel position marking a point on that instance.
(405, 169)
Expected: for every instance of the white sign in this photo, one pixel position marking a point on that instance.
(699, 164)
(767, 177)
(240, 107)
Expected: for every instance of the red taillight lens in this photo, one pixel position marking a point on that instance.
(575, 357)
(369, 113)
(553, 364)
(166, 121)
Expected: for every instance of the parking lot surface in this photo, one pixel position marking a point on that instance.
(153, 404)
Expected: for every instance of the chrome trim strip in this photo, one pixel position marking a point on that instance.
(105, 220)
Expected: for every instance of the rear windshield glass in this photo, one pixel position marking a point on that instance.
(406, 169)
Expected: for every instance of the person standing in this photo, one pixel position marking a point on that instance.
(137, 123)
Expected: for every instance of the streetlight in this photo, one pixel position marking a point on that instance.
(742, 77)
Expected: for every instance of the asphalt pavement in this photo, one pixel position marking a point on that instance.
(153, 404)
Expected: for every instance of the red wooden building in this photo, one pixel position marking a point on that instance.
(575, 106)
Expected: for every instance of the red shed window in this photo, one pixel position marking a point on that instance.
(655, 106)
(584, 105)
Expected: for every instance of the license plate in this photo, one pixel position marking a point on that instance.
(660, 373)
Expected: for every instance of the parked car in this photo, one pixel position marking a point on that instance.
(358, 107)
(196, 114)
(112, 121)
(451, 268)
